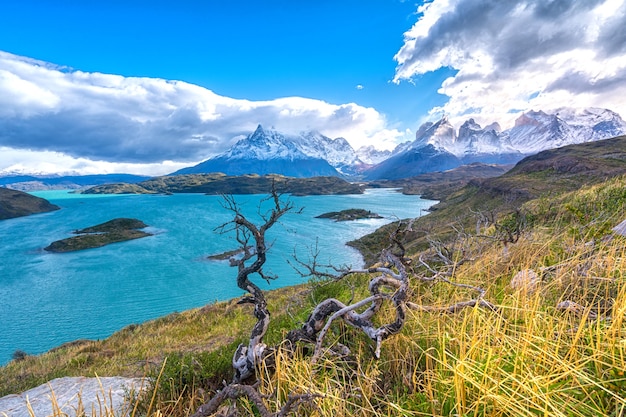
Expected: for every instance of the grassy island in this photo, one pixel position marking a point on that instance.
(349, 214)
(218, 183)
(113, 231)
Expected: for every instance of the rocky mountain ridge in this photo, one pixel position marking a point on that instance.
(268, 151)
(534, 131)
(439, 146)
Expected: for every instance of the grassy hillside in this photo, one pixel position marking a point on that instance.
(15, 203)
(546, 174)
(534, 355)
(439, 185)
(218, 183)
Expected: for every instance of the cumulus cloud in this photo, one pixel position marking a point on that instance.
(73, 116)
(50, 162)
(513, 55)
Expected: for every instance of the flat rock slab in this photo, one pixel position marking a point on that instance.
(66, 396)
(620, 229)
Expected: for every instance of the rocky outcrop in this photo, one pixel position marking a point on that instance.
(72, 396)
(525, 281)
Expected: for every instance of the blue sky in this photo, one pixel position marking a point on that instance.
(256, 50)
(151, 86)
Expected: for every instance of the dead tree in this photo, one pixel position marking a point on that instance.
(391, 282)
(250, 261)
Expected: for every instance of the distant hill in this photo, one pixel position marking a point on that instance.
(440, 184)
(68, 182)
(413, 162)
(15, 203)
(225, 184)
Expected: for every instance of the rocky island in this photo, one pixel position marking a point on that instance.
(349, 214)
(113, 231)
(15, 203)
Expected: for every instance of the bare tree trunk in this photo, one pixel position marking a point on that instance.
(390, 283)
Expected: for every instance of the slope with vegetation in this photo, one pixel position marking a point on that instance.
(438, 185)
(15, 203)
(555, 346)
(543, 175)
(218, 183)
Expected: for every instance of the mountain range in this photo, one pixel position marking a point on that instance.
(69, 182)
(267, 151)
(437, 146)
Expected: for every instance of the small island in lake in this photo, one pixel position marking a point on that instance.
(349, 214)
(226, 255)
(113, 231)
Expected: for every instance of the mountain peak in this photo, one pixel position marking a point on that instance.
(438, 134)
(534, 131)
(309, 153)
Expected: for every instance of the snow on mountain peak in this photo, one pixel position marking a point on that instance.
(370, 155)
(533, 132)
(439, 134)
(266, 144)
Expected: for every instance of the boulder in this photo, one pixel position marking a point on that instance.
(526, 280)
(71, 395)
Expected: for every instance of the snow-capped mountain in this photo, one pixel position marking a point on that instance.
(372, 156)
(268, 151)
(438, 146)
(337, 152)
(441, 135)
(534, 131)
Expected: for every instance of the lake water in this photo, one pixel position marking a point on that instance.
(47, 299)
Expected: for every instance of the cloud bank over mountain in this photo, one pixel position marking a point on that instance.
(519, 55)
(70, 118)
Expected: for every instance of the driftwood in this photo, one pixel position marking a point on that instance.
(390, 283)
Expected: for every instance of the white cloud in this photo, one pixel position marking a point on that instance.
(107, 121)
(23, 161)
(517, 55)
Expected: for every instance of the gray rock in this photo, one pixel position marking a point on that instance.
(526, 281)
(71, 396)
(620, 229)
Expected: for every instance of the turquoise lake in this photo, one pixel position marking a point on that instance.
(47, 299)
